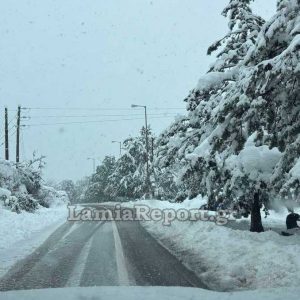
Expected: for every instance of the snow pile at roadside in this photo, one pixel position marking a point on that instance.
(197, 202)
(276, 219)
(148, 293)
(227, 259)
(21, 234)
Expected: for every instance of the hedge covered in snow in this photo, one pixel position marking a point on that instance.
(21, 187)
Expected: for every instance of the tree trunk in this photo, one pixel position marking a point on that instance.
(256, 224)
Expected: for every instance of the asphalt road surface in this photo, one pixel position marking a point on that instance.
(95, 253)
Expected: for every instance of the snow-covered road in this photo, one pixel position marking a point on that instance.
(99, 254)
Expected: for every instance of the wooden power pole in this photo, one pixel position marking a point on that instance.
(152, 149)
(6, 135)
(18, 135)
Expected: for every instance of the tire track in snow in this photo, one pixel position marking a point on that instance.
(79, 267)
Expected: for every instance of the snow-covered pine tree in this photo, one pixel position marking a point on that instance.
(208, 95)
(98, 182)
(206, 99)
(244, 27)
(129, 177)
(125, 178)
(68, 186)
(169, 159)
(275, 81)
(247, 122)
(255, 127)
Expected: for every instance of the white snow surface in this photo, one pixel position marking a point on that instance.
(21, 234)
(295, 171)
(5, 192)
(255, 161)
(153, 203)
(213, 79)
(148, 293)
(228, 259)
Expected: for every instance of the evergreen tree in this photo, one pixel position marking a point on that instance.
(244, 27)
(169, 158)
(243, 133)
(99, 181)
(69, 187)
(129, 177)
(261, 107)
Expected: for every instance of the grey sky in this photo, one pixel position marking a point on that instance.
(101, 54)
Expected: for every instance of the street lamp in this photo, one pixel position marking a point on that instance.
(120, 143)
(94, 163)
(147, 146)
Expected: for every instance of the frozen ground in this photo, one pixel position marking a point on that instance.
(21, 234)
(231, 258)
(148, 293)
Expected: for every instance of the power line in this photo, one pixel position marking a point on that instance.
(9, 136)
(22, 144)
(13, 119)
(98, 108)
(9, 129)
(87, 122)
(101, 115)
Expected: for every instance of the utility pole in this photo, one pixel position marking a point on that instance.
(152, 149)
(6, 135)
(18, 135)
(147, 147)
(120, 143)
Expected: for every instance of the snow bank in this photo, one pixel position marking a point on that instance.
(5, 193)
(162, 204)
(275, 221)
(227, 259)
(147, 293)
(21, 234)
(21, 192)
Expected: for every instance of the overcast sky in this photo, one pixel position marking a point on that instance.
(100, 57)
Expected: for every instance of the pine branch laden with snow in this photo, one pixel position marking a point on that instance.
(244, 28)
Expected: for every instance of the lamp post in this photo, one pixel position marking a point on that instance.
(147, 146)
(94, 163)
(120, 143)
